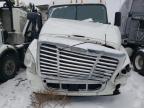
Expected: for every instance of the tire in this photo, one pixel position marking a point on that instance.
(8, 67)
(138, 62)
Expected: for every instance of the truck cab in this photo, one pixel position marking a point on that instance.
(78, 53)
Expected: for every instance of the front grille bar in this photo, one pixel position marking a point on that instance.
(59, 63)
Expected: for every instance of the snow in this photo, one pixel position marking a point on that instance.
(103, 33)
(1, 4)
(16, 93)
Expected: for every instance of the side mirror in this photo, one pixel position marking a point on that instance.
(117, 19)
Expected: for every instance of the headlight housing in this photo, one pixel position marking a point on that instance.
(30, 62)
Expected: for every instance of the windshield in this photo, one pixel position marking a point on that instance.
(95, 13)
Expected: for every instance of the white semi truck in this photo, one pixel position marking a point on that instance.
(16, 32)
(78, 53)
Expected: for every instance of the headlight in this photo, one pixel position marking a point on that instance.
(126, 69)
(30, 62)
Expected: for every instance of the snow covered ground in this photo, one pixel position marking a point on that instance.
(16, 93)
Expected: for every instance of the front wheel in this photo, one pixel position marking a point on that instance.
(138, 62)
(8, 67)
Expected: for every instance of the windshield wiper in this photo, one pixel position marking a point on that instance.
(78, 36)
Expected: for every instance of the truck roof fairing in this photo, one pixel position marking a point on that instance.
(76, 4)
(68, 2)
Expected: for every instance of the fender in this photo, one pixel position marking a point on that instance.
(7, 49)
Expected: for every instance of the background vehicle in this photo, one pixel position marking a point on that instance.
(16, 32)
(133, 32)
(78, 52)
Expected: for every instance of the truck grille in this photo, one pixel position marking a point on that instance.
(58, 64)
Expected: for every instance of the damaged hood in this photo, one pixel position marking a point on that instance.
(98, 33)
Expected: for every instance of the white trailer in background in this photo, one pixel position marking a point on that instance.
(78, 53)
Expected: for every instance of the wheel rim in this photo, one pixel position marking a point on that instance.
(10, 67)
(139, 62)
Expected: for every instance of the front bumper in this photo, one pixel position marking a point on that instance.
(38, 86)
